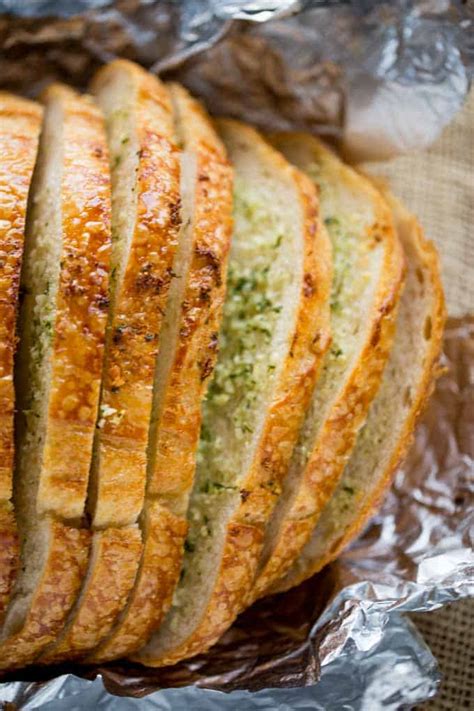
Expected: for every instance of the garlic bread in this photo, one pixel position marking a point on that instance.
(407, 383)
(144, 164)
(145, 227)
(57, 378)
(275, 331)
(368, 269)
(20, 124)
(188, 348)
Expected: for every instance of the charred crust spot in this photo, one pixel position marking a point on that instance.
(428, 328)
(244, 495)
(316, 338)
(407, 396)
(203, 177)
(206, 368)
(118, 334)
(266, 462)
(214, 341)
(308, 285)
(114, 389)
(98, 152)
(376, 334)
(420, 276)
(103, 302)
(378, 237)
(205, 294)
(72, 288)
(175, 213)
(211, 260)
(146, 281)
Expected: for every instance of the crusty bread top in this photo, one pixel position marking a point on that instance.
(62, 330)
(188, 344)
(279, 271)
(82, 300)
(145, 175)
(192, 319)
(407, 383)
(368, 274)
(20, 123)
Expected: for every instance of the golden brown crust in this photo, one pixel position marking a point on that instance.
(151, 597)
(60, 582)
(193, 362)
(236, 573)
(114, 558)
(338, 433)
(243, 539)
(20, 123)
(426, 254)
(139, 305)
(179, 414)
(81, 304)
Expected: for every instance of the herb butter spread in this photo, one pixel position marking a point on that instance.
(250, 351)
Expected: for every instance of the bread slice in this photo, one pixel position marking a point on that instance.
(188, 347)
(20, 124)
(275, 331)
(368, 274)
(62, 331)
(145, 220)
(407, 382)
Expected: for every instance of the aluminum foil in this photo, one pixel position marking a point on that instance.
(384, 77)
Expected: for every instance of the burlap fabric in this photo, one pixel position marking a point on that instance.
(438, 185)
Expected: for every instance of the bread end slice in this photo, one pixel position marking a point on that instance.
(368, 276)
(407, 383)
(57, 376)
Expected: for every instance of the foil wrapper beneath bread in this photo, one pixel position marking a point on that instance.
(340, 640)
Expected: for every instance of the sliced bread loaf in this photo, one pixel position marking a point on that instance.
(62, 330)
(145, 219)
(20, 124)
(368, 271)
(407, 382)
(188, 348)
(275, 331)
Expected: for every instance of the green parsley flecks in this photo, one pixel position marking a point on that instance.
(246, 364)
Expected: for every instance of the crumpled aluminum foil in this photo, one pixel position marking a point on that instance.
(385, 77)
(352, 70)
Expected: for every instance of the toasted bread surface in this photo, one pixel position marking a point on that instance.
(407, 383)
(188, 346)
(20, 124)
(368, 275)
(57, 378)
(111, 573)
(145, 173)
(274, 334)
(146, 220)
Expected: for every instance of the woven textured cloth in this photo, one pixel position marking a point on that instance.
(438, 185)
